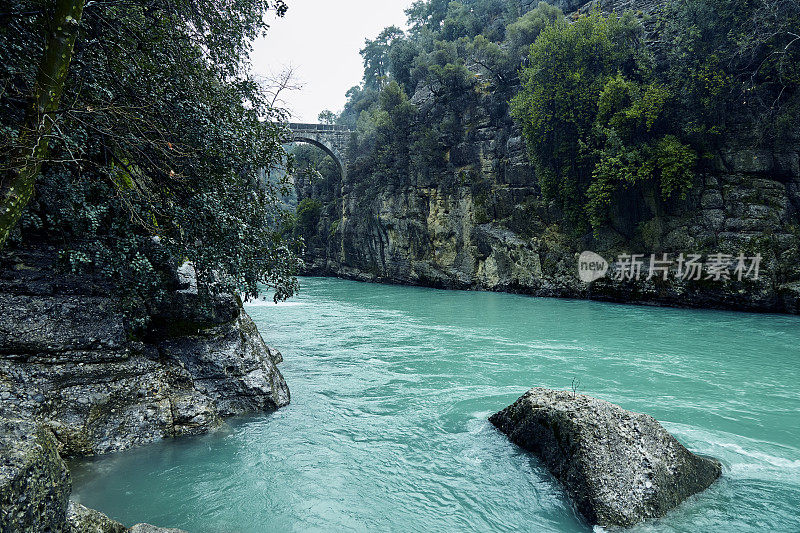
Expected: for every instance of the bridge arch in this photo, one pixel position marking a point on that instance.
(325, 147)
(332, 139)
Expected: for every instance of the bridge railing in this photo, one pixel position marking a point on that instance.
(295, 126)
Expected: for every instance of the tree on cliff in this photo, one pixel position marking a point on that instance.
(620, 112)
(611, 122)
(155, 129)
(326, 116)
(31, 148)
(594, 117)
(376, 57)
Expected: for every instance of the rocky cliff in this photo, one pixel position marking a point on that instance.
(34, 481)
(483, 224)
(495, 232)
(75, 380)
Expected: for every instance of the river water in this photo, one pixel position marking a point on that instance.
(391, 387)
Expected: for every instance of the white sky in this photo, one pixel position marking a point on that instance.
(321, 40)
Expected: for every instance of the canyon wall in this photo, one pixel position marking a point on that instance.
(483, 223)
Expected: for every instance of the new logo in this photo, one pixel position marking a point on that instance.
(591, 267)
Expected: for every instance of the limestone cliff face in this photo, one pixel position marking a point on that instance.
(67, 361)
(483, 224)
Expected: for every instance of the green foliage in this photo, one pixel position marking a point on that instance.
(460, 21)
(377, 57)
(596, 119)
(92, 226)
(447, 21)
(493, 58)
(664, 161)
(603, 121)
(675, 164)
(162, 139)
(631, 109)
(612, 123)
(427, 153)
(521, 33)
(426, 15)
(443, 72)
(401, 61)
(308, 212)
(570, 65)
(327, 117)
(733, 57)
(455, 51)
(384, 135)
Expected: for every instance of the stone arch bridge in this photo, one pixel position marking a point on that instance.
(332, 139)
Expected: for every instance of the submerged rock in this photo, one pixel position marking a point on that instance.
(618, 467)
(84, 520)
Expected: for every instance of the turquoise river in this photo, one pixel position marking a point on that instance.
(391, 388)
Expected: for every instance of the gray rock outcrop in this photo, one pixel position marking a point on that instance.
(34, 481)
(67, 359)
(74, 381)
(618, 467)
(84, 520)
(35, 487)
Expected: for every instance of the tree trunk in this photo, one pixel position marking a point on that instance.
(16, 189)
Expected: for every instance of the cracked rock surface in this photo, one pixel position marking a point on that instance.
(34, 481)
(618, 467)
(66, 359)
(75, 382)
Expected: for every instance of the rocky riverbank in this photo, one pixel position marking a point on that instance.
(74, 381)
(35, 487)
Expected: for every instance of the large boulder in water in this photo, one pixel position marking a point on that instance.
(618, 467)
